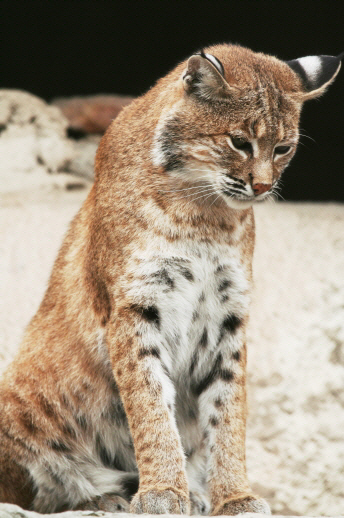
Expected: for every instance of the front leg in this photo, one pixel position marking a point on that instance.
(139, 365)
(222, 399)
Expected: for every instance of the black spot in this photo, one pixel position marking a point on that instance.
(189, 453)
(218, 402)
(213, 421)
(224, 298)
(149, 313)
(163, 277)
(236, 356)
(186, 273)
(224, 284)
(193, 363)
(231, 324)
(226, 375)
(202, 297)
(204, 338)
(59, 446)
(130, 485)
(154, 351)
(40, 160)
(195, 315)
(2, 127)
(215, 374)
(102, 453)
(219, 269)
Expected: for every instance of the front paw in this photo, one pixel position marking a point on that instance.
(160, 502)
(243, 504)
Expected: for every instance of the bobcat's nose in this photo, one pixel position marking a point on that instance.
(259, 188)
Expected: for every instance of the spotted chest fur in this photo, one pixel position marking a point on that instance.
(128, 392)
(196, 296)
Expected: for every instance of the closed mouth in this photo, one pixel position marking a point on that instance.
(239, 196)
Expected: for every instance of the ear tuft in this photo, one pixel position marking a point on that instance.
(204, 77)
(316, 73)
(213, 60)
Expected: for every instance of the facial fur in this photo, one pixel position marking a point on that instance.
(236, 145)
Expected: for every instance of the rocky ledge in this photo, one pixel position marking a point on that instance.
(13, 511)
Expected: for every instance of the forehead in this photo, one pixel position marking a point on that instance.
(272, 114)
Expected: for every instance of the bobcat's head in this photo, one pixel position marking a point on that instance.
(234, 126)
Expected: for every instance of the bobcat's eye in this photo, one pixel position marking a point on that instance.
(241, 143)
(282, 150)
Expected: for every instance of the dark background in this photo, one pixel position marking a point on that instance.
(79, 47)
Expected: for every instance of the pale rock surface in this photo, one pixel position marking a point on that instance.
(13, 511)
(33, 144)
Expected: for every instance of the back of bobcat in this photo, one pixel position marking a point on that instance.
(128, 391)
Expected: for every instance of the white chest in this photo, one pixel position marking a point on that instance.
(193, 287)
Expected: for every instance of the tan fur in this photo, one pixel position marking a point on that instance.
(59, 388)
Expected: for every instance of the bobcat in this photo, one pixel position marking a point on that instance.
(128, 392)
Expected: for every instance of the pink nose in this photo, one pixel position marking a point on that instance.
(259, 188)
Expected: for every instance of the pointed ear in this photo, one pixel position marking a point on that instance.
(204, 77)
(316, 73)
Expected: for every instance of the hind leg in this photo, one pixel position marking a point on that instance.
(16, 486)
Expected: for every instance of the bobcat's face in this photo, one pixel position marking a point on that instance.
(236, 152)
(235, 128)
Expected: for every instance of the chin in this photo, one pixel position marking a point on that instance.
(238, 204)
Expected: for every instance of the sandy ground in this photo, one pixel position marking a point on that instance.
(295, 447)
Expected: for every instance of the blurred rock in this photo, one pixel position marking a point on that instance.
(33, 142)
(91, 114)
(82, 164)
(13, 511)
